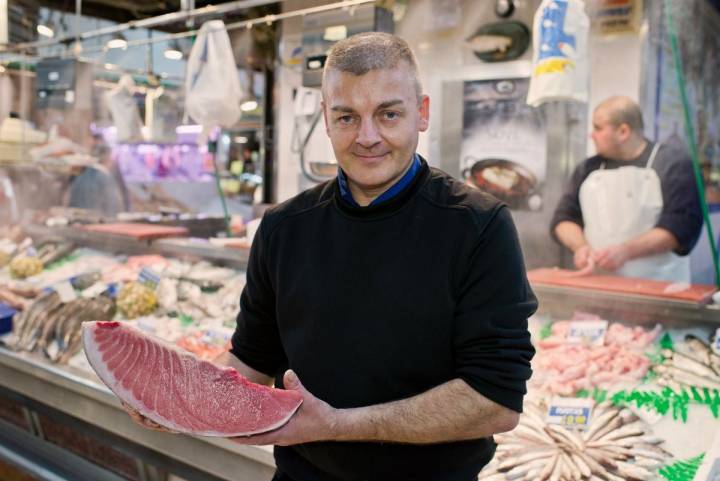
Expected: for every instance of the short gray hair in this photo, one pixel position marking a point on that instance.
(368, 51)
(623, 110)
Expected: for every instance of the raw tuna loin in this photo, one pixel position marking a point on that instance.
(179, 391)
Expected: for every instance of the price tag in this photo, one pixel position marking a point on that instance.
(587, 332)
(716, 342)
(65, 291)
(571, 413)
(149, 278)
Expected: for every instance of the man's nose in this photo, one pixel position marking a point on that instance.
(368, 134)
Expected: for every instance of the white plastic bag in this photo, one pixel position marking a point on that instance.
(560, 63)
(124, 111)
(212, 86)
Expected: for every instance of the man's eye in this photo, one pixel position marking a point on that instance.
(390, 115)
(345, 119)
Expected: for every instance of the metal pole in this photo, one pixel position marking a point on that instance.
(165, 38)
(148, 22)
(78, 11)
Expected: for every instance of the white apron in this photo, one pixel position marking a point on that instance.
(619, 204)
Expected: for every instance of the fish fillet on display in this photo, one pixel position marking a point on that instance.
(179, 391)
(563, 368)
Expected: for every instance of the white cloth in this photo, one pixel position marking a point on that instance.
(619, 204)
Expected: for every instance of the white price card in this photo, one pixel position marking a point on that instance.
(572, 413)
(149, 278)
(587, 332)
(66, 291)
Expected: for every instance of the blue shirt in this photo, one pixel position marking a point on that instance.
(394, 190)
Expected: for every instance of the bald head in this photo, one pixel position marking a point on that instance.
(620, 110)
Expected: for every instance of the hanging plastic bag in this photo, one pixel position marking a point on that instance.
(212, 86)
(124, 111)
(162, 115)
(560, 64)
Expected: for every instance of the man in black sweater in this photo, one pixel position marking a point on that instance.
(393, 298)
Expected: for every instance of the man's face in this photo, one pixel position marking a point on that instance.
(606, 136)
(373, 122)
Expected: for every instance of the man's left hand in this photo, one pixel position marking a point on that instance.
(315, 420)
(613, 257)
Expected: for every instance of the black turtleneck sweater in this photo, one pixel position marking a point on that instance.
(374, 304)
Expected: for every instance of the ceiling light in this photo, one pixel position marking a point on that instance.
(249, 105)
(46, 28)
(172, 54)
(117, 41)
(45, 31)
(240, 140)
(173, 51)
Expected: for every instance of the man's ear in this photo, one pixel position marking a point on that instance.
(624, 132)
(424, 108)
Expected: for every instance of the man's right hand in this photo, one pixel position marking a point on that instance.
(582, 256)
(144, 422)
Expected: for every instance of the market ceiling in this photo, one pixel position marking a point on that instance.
(122, 11)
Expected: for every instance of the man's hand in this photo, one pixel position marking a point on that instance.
(144, 422)
(582, 256)
(314, 421)
(613, 257)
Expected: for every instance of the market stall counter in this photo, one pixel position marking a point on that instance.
(71, 397)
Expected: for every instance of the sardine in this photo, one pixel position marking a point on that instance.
(634, 429)
(698, 349)
(514, 461)
(536, 436)
(574, 471)
(521, 469)
(633, 472)
(563, 434)
(687, 363)
(687, 377)
(581, 465)
(599, 422)
(613, 425)
(600, 458)
(592, 463)
(649, 454)
(549, 467)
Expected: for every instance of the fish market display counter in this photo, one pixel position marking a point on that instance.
(186, 248)
(59, 423)
(561, 302)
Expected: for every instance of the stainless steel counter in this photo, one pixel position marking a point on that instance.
(76, 394)
(563, 301)
(184, 248)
